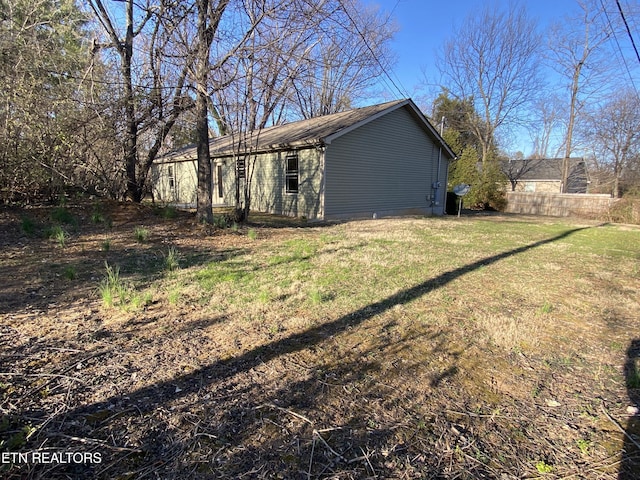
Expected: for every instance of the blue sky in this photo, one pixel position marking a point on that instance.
(424, 25)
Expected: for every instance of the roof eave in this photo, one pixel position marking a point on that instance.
(277, 147)
(417, 113)
(450, 153)
(330, 138)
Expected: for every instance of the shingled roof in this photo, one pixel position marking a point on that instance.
(306, 133)
(540, 169)
(548, 170)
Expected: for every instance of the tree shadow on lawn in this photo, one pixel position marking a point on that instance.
(46, 280)
(248, 426)
(304, 430)
(236, 407)
(43, 272)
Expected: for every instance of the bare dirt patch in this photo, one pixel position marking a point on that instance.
(400, 348)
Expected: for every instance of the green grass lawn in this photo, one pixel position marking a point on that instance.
(394, 348)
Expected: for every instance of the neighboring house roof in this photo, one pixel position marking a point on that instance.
(312, 132)
(548, 170)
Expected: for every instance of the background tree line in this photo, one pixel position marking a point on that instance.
(502, 76)
(94, 92)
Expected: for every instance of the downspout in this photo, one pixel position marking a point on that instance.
(437, 184)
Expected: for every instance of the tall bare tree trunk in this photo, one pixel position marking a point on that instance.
(572, 120)
(134, 191)
(577, 54)
(208, 21)
(125, 50)
(205, 177)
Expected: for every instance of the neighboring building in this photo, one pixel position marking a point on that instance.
(379, 160)
(545, 175)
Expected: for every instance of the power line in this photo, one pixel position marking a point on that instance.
(628, 30)
(402, 91)
(624, 61)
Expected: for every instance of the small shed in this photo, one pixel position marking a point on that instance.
(545, 175)
(379, 160)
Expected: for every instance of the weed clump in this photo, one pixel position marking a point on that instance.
(64, 216)
(28, 226)
(141, 234)
(172, 259)
(229, 220)
(113, 289)
(167, 212)
(58, 234)
(70, 273)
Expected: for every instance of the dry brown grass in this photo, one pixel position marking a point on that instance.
(399, 348)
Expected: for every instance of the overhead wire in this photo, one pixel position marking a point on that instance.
(399, 88)
(394, 84)
(624, 20)
(615, 37)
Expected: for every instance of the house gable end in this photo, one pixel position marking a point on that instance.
(416, 114)
(388, 166)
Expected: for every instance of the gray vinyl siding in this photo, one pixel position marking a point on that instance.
(386, 167)
(267, 183)
(382, 164)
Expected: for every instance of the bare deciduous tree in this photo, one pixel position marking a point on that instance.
(546, 115)
(251, 89)
(492, 59)
(151, 96)
(124, 48)
(209, 16)
(347, 53)
(211, 66)
(576, 53)
(614, 130)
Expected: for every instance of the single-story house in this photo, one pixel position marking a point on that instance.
(378, 160)
(545, 175)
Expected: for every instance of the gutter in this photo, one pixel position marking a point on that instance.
(437, 185)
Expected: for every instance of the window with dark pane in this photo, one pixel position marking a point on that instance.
(291, 174)
(172, 177)
(219, 175)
